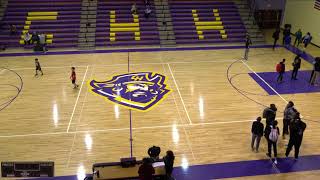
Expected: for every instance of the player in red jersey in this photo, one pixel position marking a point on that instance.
(73, 77)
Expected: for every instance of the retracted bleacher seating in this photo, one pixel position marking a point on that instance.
(58, 19)
(116, 26)
(206, 21)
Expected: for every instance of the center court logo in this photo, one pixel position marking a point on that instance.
(139, 91)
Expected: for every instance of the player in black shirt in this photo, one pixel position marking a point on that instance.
(248, 43)
(38, 67)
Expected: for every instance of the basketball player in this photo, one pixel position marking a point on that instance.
(248, 43)
(38, 67)
(73, 77)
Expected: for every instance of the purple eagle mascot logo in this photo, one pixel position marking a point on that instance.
(139, 91)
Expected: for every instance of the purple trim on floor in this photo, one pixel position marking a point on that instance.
(288, 86)
(236, 169)
(130, 50)
(247, 168)
(309, 58)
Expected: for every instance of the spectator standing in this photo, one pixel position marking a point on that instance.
(270, 114)
(288, 115)
(306, 40)
(248, 43)
(287, 41)
(146, 170)
(286, 32)
(147, 12)
(27, 38)
(316, 73)
(134, 9)
(296, 66)
(42, 40)
(271, 134)
(168, 162)
(257, 133)
(13, 29)
(35, 38)
(297, 127)
(154, 152)
(298, 39)
(281, 68)
(275, 36)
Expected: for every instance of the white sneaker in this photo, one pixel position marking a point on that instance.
(275, 161)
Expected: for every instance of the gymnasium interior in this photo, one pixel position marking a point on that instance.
(170, 85)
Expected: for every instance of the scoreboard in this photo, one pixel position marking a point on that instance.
(27, 169)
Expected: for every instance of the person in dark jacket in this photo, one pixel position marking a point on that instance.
(296, 66)
(271, 143)
(288, 115)
(287, 41)
(154, 152)
(257, 133)
(13, 29)
(168, 162)
(286, 32)
(35, 38)
(297, 127)
(275, 36)
(247, 44)
(270, 114)
(316, 71)
(146, 170)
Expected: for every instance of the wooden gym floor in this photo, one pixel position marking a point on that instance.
(204, 120)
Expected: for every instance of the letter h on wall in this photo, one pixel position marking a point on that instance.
(38, 16)
(208, 25)
(124, 27)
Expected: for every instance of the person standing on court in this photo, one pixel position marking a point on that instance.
(257, 133)
(248, 43)
(288, 115)
(287, 41)
(312, 72)
(38, 67)
(297, 127)
(316, 72)
(296, 66)
(281, 69)
(270, 114)
(275, 36)
(306, 40)
(73, 77)
(298, 39)
(286, 32)
(168, 162)
(271, 133)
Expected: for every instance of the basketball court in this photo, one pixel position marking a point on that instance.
(205, 118)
